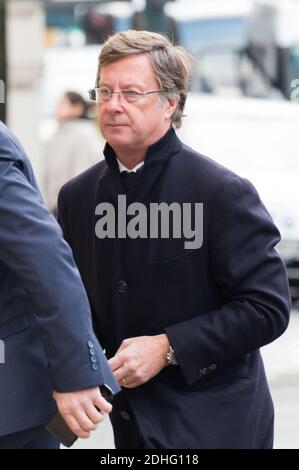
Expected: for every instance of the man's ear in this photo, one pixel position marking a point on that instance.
(171, 105)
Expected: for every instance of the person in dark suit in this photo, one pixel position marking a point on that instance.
(182, 318)
(46, 332)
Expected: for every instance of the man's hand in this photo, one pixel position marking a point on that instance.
(139, 359)
(79, 410)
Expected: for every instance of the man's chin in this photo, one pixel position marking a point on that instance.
(117, 138)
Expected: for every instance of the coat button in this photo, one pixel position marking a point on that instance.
(122, 286)
(93, 359)
(92, 351)
(125, 415)
(94, 367)
(90, 344)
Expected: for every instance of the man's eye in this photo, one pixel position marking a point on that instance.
(105, 93)
(131, 94)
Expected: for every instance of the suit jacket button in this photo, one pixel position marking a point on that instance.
(92, 351)
(90, 344)
(122, 286)
(93, 359)
(125, 415)
(94, 367)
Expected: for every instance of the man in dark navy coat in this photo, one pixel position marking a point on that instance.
(46, 338)
(182, 317)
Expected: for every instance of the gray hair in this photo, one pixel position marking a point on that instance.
(171, 64)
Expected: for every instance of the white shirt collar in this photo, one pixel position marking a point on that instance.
(123, 168)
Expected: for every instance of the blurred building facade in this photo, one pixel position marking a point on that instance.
(24, 43)
(248, 46)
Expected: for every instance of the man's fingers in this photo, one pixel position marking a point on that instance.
(79, 409)
(115, 362)
(119, 374)
(102, 404)
(75, 427)
(94, 415)
(84, 421)
(132, 384)
(123, 345)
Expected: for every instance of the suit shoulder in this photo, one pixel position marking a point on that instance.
(10, 148)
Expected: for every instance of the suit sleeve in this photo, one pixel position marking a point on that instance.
(251, 280)
(32, 246)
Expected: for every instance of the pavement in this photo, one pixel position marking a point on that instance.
(282, 366)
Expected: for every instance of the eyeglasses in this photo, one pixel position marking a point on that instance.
(103, 95)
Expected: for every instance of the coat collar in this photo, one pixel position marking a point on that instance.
(157, 153)
(157, 156)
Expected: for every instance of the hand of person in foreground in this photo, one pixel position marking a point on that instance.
(82, 410)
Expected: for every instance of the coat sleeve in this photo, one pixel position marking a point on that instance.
(251, 280)
(32, 246)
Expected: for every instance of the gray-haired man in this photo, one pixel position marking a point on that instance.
(182, 327)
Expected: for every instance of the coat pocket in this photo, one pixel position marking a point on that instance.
(15, 326)
(177, 266)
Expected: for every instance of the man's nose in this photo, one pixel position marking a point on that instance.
(115, 103)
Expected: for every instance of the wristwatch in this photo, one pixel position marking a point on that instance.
(171, 358)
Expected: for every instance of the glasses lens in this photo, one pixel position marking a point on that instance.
(130, 95)
(103, 95)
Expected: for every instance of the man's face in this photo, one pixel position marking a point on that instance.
(135, 125)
